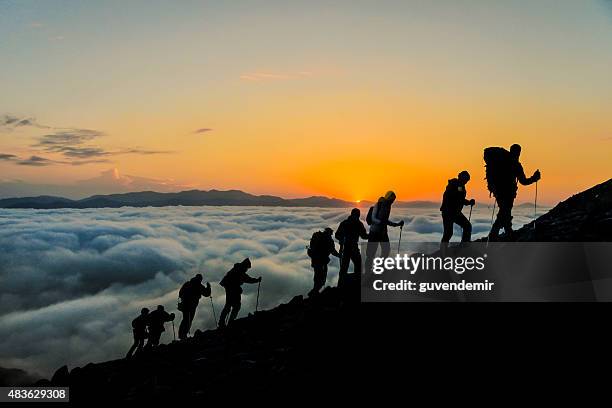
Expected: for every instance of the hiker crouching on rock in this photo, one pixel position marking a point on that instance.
(155, 323)
(348, 233)
(232, 282)
(453, 202)
(504, 172)
(321, 247)
(189, 298)
(139, 328)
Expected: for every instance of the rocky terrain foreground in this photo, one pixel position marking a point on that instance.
(584, 217)
(293, 346)
(305, 345)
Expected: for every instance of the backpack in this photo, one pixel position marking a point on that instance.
(369, 216)
(230, 278)
(498, 168)
(317, 244)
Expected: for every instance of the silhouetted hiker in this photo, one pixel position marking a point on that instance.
(378, 219)
(189, 296)
(504, 171)
(348, 233)
(453, 201)
(321, 247)
(139, 328)
(232, 282)
(155, 323)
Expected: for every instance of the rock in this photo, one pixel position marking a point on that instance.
(61, 377)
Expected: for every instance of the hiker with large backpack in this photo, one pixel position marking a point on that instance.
(232, 282)
(348, 233)
(378, 220)
(320, 248)
(504, 171)
(453, 202)
(189, 298)
(139, 328)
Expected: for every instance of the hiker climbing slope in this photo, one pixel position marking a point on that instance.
(189, 296)
(232, 282)
(155, 324)
(321, 247)
(378, 219)
(504, 172)
(453, 202)
(139, 328)
(348, 233)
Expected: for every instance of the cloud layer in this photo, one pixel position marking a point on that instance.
(72, 280)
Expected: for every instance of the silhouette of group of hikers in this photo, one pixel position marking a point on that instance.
(503, 174)
(150, 326)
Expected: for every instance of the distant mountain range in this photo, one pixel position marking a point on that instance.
(190, 198)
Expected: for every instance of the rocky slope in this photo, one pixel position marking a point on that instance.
(280, 349)
(584, 217)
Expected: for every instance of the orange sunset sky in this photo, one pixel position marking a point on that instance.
(343, 99)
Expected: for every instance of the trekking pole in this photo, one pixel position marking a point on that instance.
(173, 330)
(257, 302)
(399, 243)
(470, 217)
(535, 209)
(492, 216)
(212, 304)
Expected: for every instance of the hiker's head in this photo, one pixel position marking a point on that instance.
(198, 277)
(390, 197)
(160, 308)
(464, 177)
(246, 263)
(144, 311)
(355, 213)
(328, 231)
(515, 150)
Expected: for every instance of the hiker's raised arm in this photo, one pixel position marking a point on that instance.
(524, 180)
(250, 279)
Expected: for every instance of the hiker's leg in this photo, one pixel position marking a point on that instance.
(155, 338)
(235, 310)
(225, 311)
(504, 216)
(508, 221)
(447, 223)
(385, 246)
(356, 258)
(499, 219)
(185, 325)
(141, 343)
(465, 224)
(320, 277)
(192, 311)
(371, 249)
(344, 265)
(134, 346)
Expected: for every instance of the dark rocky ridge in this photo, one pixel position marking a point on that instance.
(279, 349)
(584, 217)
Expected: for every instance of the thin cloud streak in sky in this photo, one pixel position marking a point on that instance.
(274, 76)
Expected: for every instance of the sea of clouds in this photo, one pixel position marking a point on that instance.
(71, 281)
